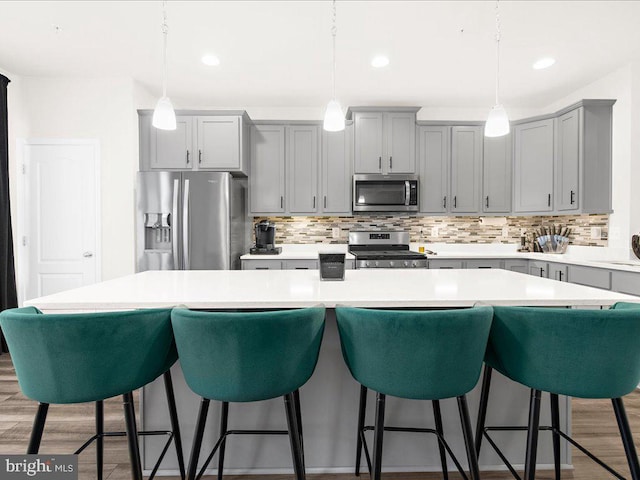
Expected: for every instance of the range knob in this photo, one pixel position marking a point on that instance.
(377, 263)
(406, 263)
(367, 264)
(391, 263)
(414, 264)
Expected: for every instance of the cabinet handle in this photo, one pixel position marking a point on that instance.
(314, 201)
(444, 202)
(379, 163)
(390, 163)
(542, 272)
(325, 201)
(455, 201)
(560, 275)
(487, 202)
(548, 200)
(187, 157)
(572, 195)
(281, 201)
(199, 156)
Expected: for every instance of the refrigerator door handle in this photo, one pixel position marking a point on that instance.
(174, 225)
(185, 226)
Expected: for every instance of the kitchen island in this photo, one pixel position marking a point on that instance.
(330, 398)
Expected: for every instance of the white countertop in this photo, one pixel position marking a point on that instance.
(301, 288)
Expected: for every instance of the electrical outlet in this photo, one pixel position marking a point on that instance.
(596, 233)
(435, 231)
(335, 232)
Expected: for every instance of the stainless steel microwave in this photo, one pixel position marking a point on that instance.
(385, 193)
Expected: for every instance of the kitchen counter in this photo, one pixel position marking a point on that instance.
(309, 251)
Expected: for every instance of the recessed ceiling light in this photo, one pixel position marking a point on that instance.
(380, 61)
(210, 60)
(544, 63)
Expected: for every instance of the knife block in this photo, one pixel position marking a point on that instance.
(635, 245)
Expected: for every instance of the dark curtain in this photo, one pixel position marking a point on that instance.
(8, 293)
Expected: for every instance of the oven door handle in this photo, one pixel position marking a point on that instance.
(407, 192)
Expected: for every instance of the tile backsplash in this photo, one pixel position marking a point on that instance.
(423, 229)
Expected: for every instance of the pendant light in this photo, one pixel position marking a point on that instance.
(164, 117)
(497, 122)
(333, 116)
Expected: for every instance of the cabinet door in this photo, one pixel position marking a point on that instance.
(300, 265)
(496, 175)
(466, 162)
(533, 166)
(172, 149)
(337, 158)
(433, 154)
(219, 143)
(520, 266)
(400, 142)
(261, 264)
(539, 269)
(568, 159)
(558, 272)
(266, 183)
(368, 142)
(302, 168)
(445, 264)
(590, 277)
(484, 263)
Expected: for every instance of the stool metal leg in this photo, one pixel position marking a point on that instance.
(99, 438)
(627, 438)
(132, 436)
(362, 410)
(437, 415)
(197, 439)
(224, 417)
(532, 435)
(296, 404)
(377, 436)
(175, 425)
(555, 425)
(472, 458)
(294, 437)
(482, 409)
(38, 428)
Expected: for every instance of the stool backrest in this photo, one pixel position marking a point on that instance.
(73, 358)
(425, 355)
(581, 353)
(248, 356)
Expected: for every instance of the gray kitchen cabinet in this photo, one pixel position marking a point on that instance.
(538, 269)
(496, 174)
(261, 264)
(568, 153)
(625, 282)
(267, 179)
(484, 263)
(533, 167)
(300, 265)
(558, 271)
(337, 161)
(445, 263)
(302, 167)
(433, 160)
(219, 140)
(384, 140)
(520, 266)
(171, 149)
(466, 164)
(590, 277)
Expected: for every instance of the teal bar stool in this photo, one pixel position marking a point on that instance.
(248, 357)
(592, 354)
(422, 355)
(89, 357)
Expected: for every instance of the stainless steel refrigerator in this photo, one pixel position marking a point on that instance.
(190, 221)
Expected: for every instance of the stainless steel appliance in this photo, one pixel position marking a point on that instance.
(384, 249)
(190, 221)
(265, 239)
(385, 193)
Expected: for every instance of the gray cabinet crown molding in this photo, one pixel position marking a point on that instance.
(352, 110)
(202, 113)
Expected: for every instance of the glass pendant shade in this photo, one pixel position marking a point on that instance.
(164, 117)
(333, 117)
(497, 122)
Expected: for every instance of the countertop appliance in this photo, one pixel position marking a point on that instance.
(384, 249)
(385, 193)
(190, 221)
(265, 239)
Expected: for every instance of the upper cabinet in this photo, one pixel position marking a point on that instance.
(212, 141)
(302, 165)
(267, 179)
(385, 140)
(466, 165)
(496, 174)
(433, 159)
(337, 161)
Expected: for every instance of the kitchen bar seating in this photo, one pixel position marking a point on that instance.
(248, 357)
(591, 354)
(421, 355)
(89, 357)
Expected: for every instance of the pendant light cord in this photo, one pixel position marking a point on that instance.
(334, 30)
(497, 50)
(165, 33)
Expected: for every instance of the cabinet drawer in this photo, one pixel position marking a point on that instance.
(488, 263)
(520, 266)
(445, 263)
(261, 264)
(625, 282)
(300, 265)
(591, 277)
(558, 271)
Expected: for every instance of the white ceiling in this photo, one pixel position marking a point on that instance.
(276, 54)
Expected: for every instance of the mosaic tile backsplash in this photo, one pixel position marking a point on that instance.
(449, 229)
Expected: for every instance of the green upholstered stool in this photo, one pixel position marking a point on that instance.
(89, 357)
(248, 357)
(423, 355)
(578, 353)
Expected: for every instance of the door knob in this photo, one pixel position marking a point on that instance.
(87, 254)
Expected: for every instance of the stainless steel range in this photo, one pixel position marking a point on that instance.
(384, 249)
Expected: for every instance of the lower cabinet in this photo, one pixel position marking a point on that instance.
(590, 277)
(520, 266)
(625, 282)
(300, 265)
(261, 264)
(445, 263)
(485, 263)
(539, 269)
(558, 271)
(296, 264)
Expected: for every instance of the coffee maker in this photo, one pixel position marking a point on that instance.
(265, 239)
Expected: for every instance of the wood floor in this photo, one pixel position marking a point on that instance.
(67, 427)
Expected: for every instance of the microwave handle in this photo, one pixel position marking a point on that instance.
(407, 192)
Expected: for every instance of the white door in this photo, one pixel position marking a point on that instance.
(60, 222)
